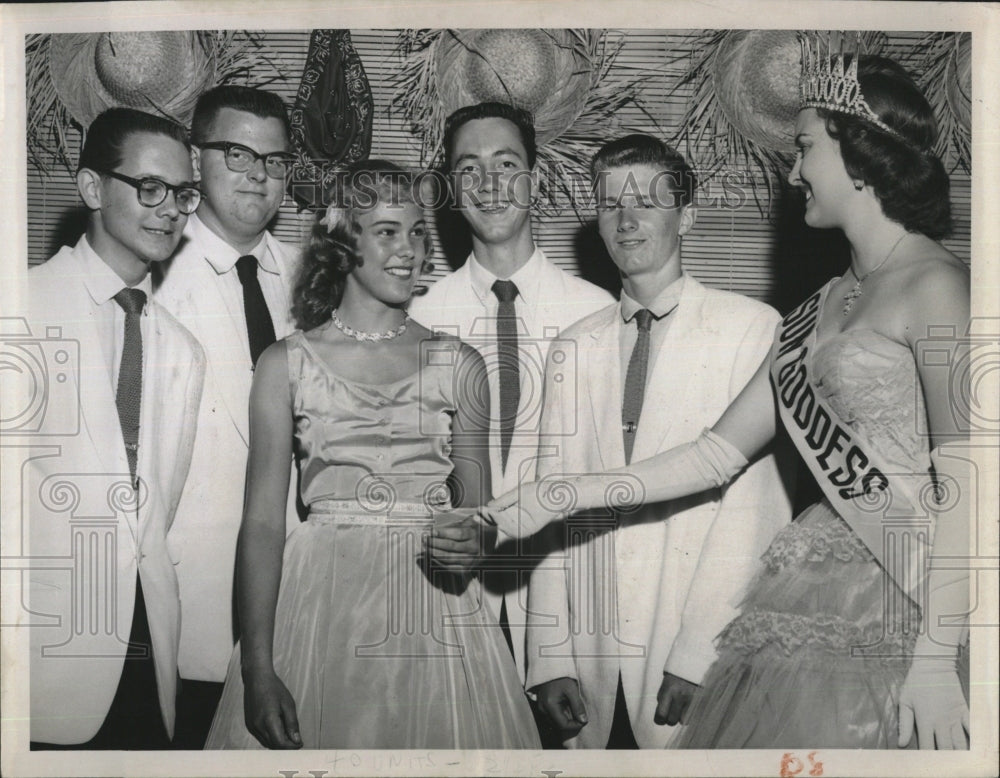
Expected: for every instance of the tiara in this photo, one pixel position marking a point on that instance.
(825, 83)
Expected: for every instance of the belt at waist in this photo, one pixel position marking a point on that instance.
(352, 512)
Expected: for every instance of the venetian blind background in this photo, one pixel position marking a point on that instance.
(775, 259)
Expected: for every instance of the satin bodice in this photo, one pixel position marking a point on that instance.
(378, 444)
(871, 381)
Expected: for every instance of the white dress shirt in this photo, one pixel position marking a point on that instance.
(662, 307)
(103, 284)
(549, 300)
(222, 257)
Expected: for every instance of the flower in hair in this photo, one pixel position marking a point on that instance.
(332, 216)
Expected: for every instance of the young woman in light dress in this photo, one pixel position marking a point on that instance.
(350, 638)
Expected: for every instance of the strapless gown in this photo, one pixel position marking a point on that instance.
(378, 649)
(825, 638)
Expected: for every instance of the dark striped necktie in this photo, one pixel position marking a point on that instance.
(128, 397)
(508, 364)
(635, 381)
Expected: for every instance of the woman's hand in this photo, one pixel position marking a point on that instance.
(459, 540)
(561, 701)
(527, 508)
(932, 698)
(269, 711)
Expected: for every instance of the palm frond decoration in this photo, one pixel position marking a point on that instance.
(744, 98)
(242, 58)
(942, 62)
(570, 80)
(415, 90)
(238, 57)
(48, 121)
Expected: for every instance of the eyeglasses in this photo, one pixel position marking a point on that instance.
(239, 159)
(152, 192)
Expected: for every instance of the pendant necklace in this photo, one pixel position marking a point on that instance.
(369, 337)
(856, 292)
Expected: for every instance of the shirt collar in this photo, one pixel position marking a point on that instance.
(527, 278)
(662, 304)
(101, 281)
(221, 256)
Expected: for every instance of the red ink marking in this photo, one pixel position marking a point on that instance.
(790, 765)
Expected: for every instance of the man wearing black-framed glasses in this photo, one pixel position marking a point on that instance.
(127, 379)
(241, 159)
(231, 284)
(151, 192)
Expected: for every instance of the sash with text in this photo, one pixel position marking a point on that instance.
(892, 512)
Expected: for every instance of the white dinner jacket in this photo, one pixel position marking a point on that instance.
(648, 591)
(452, 305)
(208, 519)
(86, 540)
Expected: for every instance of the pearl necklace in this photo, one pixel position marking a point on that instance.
(370, 337)
(856, 292)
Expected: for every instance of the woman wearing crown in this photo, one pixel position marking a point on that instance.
(844, 638)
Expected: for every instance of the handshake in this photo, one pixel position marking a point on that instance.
(461, 537)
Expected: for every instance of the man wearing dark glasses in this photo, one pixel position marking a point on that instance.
(230, 283)
(124, 380)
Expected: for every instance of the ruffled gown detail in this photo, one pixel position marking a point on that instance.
(379, 650)
(825, 637)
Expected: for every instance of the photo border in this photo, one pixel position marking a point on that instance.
(981, 19)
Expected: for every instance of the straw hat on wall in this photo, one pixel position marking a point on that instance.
(157, 72)
(70, 78)
(756, 80)
(564, 77)
(744, 99)
(541, 71)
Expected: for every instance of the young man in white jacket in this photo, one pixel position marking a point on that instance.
(125, 382)
(490, 155)
(231, 284)
(623, 616)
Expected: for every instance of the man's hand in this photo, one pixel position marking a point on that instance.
(560, 700)
(673, 699)
(458, 541)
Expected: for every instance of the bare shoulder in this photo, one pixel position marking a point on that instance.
(421, 332)
(272, 366)
(934, 289)
(467, 352)
(936, 278)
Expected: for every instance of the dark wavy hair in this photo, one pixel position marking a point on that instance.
(519, 117)
(332, 252)
(908, 178)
